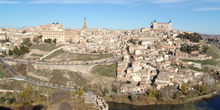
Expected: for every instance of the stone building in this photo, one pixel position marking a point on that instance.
(61, 36)
(161, 26)
(92, 31)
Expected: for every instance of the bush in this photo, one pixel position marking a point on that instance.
(47, 40)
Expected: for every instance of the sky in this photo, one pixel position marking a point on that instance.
(202, 16)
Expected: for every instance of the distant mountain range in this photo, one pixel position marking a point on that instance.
(209, 36)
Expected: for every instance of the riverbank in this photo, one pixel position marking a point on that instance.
(213, 94)
(153, 101)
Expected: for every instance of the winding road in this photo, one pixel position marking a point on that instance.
(22, 78)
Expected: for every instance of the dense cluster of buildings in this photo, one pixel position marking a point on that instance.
(151, 56)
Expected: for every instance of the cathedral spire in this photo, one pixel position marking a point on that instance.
(84, 24)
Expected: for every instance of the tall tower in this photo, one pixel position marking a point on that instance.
(155, 24)
(84, 24)
(170, 25)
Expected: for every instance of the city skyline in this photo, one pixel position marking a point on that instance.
(196, 16)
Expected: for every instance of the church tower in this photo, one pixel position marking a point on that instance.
(84, 24)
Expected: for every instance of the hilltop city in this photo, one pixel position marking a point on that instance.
(150, 65)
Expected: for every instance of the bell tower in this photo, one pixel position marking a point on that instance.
(84, 24)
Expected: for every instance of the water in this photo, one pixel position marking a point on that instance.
(211, 103)
(206, 104)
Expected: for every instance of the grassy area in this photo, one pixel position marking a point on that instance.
(44, 47)
(204, 62)
(87, 57)
(4, 72)
(105, 70)
(56, 53)
(65, 56)
(63, 76)
(36, 55)
(214, 51)
(205, 70)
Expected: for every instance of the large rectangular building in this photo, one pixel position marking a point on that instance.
(61, 36)
(161, 26)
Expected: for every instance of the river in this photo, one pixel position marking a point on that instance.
(210, 104)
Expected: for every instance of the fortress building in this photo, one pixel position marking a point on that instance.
(162, 26)
(58, 32)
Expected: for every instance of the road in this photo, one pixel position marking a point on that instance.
(22, 78)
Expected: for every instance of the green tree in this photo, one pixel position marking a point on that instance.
(47, 40)
(79, 91)
(27, 50)
(4, 53)
(150, 93)
(140, 42)
(204, 49)
(203, 89)
(54, 41)
(195, 37)
(184, 87)
(22, 50)
(40, 36)
(28, 96)
(16, 51)
(24, 31)
(10, 52)
(27, 42)
(11, 100)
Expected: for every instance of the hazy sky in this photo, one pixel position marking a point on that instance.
(201, 16)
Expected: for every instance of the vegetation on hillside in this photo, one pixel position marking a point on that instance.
(54, 54)
(65, 56)
(105, 70)
(214, 51)
(44, 47)
(194, 37)
(4, 72)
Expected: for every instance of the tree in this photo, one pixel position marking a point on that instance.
(35, 39)
(47, 40)
(22, 50)
(203, 89)
(79, 91)
(16, 51)
(204, 49)
(40, 36)
(10, 52)
(134, 41)
(54, 41)
(11, 100)
(140, 42)
(195, 37)
(27, 42)
(166, 93)
(28, 96)
(184, 87)
(24, 31)
(26, 50)
(4, 53)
